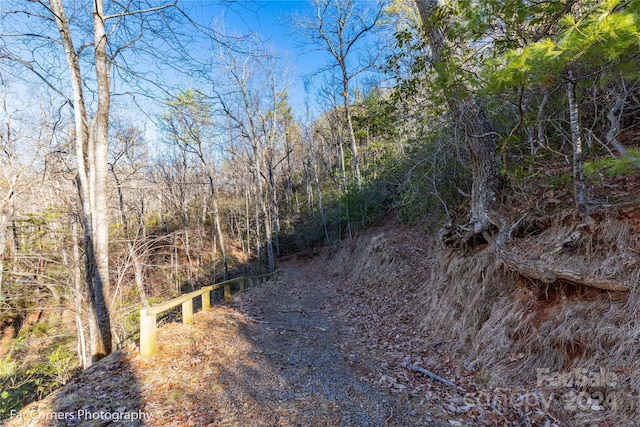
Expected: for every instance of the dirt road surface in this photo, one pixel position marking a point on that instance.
(303, 350)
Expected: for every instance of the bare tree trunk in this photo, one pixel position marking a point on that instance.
(268, 236)
(320, 205)
(481, 145)
(576, 140)
(216, 222)
(220, 236)
(261, 198)
(15, 248)
(100, 167)
(308, 181)
(214, 251)
(187, 253)
(288, 183)
(247, 196)
(274, 208)
(257, 217)
(78, 297)
(352, 136)
(342, 165)
(174, 261)
(4, 222)
(542, 140)
(91, 155)
(139, 276)
(614, 126)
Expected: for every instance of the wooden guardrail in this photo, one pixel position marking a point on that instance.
(148, 315)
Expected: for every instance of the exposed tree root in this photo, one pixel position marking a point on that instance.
(543, 270)
(548, 273)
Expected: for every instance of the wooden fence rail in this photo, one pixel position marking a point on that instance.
(148, 315)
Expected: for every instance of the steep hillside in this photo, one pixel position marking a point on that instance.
(575, 344)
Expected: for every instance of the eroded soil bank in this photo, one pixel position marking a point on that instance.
(570, 350)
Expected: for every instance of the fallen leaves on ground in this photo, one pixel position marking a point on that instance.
(311, 349)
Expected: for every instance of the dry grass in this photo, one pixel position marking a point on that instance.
(507, 327)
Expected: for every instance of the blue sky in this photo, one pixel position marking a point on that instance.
(271, 20)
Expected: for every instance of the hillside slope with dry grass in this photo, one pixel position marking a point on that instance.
(576, 344)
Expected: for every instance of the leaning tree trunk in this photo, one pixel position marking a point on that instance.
(479, 136)
(218, 229)
(480, 141)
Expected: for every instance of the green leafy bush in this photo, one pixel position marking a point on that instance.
(23, 383)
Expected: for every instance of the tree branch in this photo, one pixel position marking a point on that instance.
(141, 11)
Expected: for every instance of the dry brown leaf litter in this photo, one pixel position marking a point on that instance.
(312, 349)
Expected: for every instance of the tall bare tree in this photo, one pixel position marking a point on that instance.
(247, 94)
(91, 144)
(341, 28)
(188, 124)
(92, 40)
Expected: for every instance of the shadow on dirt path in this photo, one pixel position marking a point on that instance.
(297, 334)
(279, 355)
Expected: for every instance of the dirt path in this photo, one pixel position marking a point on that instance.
(301, 336)
(307, 350)
(280, 355)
